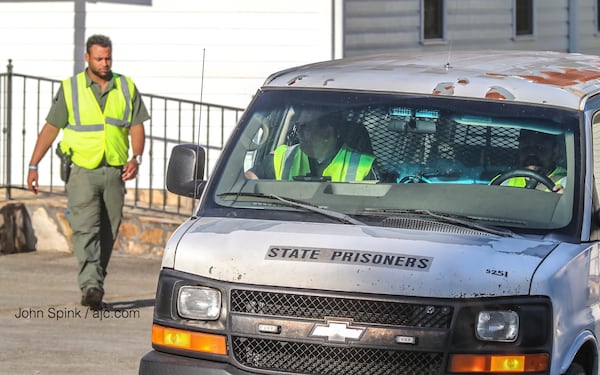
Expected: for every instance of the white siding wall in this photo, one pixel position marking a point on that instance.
(38, 37)
(589, 38)
(161, 45)
(244, 41)
(391, 25)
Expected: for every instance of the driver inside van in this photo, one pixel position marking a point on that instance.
(538, 152)
(319, 154)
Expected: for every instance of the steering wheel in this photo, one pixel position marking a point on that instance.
(544, 180)
(412, 179)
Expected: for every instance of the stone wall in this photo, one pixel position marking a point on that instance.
(38, 222)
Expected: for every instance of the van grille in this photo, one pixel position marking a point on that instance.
(298, 354)
(293, 357)
(359, 310)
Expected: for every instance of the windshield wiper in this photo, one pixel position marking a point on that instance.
(451, 219)
(299, 204)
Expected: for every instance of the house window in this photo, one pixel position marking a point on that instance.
(432, 19)
(523, 17)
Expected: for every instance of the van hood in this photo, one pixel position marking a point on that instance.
(356, 258)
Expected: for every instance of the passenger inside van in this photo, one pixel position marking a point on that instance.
(320, 154)
(538, 152)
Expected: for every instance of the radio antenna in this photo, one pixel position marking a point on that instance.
(201, 94)
(448, 64)
(199, 121)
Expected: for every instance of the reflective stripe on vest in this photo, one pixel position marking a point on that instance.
(288, 162)
(92, 134)
(122, 122)
(347, 165)
(352, 172)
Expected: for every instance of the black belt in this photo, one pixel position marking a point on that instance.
(104, 163)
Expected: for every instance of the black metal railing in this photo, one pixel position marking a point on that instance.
(25, 101)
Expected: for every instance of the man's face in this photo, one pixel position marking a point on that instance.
(99, 61)
(316, 138)
(536, 152)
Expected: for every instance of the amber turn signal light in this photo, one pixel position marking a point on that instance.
(498, 363)
(189, 340)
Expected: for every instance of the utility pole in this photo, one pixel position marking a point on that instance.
(79, 36)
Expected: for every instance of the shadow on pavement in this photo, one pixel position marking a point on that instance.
(127, 305)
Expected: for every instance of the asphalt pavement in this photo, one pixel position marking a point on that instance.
(45, 330)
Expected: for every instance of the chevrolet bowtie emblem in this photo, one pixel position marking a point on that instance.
(337, 331)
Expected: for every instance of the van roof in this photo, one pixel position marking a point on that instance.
(544, 77)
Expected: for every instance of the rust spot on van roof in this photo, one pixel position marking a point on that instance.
(444, 88)
(500, 93)
(563, 77)
(496, 75)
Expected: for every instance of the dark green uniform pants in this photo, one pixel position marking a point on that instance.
(95, 208)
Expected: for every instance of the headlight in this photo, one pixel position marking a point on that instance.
(502, 325)
(200, 303)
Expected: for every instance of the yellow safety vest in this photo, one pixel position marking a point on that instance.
(558, 175)
(347, 165)
(91, 134)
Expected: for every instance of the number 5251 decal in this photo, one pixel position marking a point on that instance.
(501, 273)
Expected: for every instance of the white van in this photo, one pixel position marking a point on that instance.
(415, 214)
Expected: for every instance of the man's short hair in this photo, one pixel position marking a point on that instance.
(97, 39)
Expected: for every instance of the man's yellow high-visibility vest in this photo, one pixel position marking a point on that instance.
(558, 176)
(91, 134)
(347, 165)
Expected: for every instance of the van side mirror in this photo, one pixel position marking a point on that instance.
(185, 173)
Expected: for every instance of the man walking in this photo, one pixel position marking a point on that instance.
(98, 111)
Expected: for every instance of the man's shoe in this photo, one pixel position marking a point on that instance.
(93, 298)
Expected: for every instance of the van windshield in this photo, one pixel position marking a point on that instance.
(373, 155)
